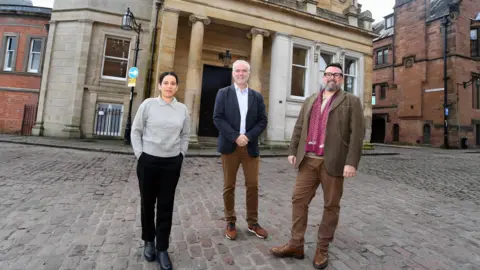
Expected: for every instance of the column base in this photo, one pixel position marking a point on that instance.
(38, 129)
(194, 143)
(71, 131)
(367, 146)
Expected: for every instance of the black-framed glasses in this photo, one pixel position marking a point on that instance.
(336, 75)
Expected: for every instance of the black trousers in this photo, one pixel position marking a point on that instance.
(158, 178)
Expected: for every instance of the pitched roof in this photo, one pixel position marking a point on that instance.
(379, 29)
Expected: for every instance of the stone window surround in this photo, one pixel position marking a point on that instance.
(97, 96)
(382, 85)
(26, 56)
(339, 55)
(384, 63)
(110, 79)
(477, 28)
(109, 103)
(360, 72)
(4, 49)
(307, 45)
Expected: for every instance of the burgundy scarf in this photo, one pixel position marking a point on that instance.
(318, 125)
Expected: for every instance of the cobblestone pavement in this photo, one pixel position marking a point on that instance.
(69, 209)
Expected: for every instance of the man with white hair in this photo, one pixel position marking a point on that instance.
(240, 118)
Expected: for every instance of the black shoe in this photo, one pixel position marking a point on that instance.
(149, 251)
(164, 260)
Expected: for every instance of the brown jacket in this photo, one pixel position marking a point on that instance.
(345, 133)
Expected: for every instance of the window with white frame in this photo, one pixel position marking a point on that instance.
(350, 74)
(389, 22)
(35, 55)
(10, 51)
(108, 120)
(115, 58)
(299, 78)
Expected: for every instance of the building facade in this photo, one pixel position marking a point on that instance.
(84, 89)
(408, 81)
(287, 42)
(23, 33)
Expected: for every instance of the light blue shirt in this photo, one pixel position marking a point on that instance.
(242, 97)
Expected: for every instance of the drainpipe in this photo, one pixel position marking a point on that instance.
(158, 6)
(393, 43)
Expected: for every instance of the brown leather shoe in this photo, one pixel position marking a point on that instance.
(321, 259)
(258, 230)
(288, 251)
(231, 232)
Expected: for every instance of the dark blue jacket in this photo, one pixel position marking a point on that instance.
(226, 117)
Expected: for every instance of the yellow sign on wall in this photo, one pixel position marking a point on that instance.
(132, 82)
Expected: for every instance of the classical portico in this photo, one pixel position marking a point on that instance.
(286, 59)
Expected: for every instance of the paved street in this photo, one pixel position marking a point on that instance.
(70, 209)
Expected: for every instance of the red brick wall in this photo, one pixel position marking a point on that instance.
(416, 107)
(12, 103)
(11, 110)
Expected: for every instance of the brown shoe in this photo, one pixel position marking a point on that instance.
(258, 230)
(288, 251)
(231, 232)
(321, 259)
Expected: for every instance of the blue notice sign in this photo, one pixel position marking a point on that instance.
(446, 111)
(133, 73)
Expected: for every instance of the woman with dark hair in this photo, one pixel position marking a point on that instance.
(160, 137)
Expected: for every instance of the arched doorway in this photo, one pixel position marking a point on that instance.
(426, 133)
(378, 129)
(396, 133)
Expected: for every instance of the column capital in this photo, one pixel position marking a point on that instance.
(258, 31)
(198, 18)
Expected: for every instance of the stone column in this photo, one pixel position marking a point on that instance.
(367, 102)
(193, 89)
(166, 46)
(38, 128)
(72, 120)
(256, 57)
(279, 74)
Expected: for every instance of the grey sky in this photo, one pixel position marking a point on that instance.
(379, 8)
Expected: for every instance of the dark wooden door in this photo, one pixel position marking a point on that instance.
(478, 134)
(426, 133)
(378, 130)
(214, 78)
(396, 133)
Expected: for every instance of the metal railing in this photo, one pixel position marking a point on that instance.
(108, 122)
(29, 118)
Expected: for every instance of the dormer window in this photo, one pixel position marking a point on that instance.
(389, 22)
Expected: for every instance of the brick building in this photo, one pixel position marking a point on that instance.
(287, 42)
(23, 32)
(408, 74)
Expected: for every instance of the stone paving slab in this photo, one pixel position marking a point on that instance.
(68, 209)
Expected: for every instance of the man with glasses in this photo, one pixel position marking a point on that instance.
(326, 147)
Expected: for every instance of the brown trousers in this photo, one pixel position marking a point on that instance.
(311, 174)
(231, 163)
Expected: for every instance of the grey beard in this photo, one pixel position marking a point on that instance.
(332, 89)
